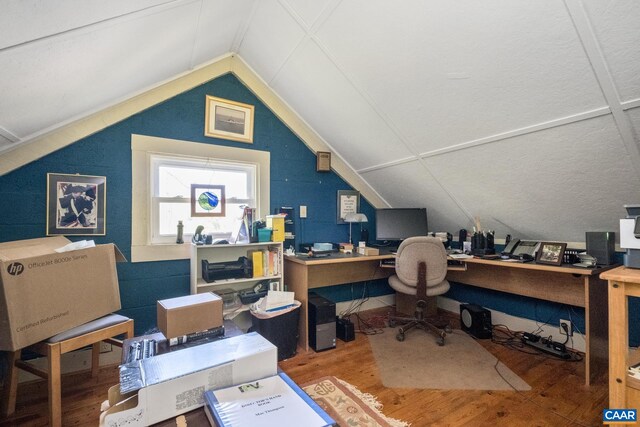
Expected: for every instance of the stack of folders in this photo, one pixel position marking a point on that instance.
(270, 402)
(634, 371)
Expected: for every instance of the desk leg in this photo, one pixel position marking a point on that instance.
(596, 312)
(619, 335)
(296, 278)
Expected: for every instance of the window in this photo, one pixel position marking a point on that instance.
(163, 171)
(171, 179)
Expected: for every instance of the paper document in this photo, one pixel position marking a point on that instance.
(460, 256)
(270, 402)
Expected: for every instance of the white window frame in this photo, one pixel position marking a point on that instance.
(142, 149)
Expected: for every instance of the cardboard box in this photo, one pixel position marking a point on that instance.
(44, 292)
(175, 382)
(276, 224)
(368, 251)
(188, 314)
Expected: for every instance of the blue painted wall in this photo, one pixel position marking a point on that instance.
(294, 182)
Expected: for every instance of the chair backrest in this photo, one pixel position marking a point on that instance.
(421, 249)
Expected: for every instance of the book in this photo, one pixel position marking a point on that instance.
(269, 402)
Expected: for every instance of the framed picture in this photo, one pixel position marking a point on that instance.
(348, 202)
(207, 200)
(76, 204)
(551, 253)
(229, 120)
(323, 161)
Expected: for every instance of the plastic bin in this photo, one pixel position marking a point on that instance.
(280, 329)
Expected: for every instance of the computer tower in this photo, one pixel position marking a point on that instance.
(601, 246)
(322, 323)
(476, 321)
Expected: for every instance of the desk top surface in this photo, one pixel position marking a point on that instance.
(623, 274)
(337, 258)
(565, 268)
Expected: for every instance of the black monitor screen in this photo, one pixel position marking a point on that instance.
(398, 224)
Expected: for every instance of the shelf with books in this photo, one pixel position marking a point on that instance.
(241, 267)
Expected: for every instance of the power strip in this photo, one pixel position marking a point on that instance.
(552, 348)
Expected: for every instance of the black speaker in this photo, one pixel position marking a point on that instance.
(475, 321)
(601, 246)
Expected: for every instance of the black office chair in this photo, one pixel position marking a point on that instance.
(421, 268)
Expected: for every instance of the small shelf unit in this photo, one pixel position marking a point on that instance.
(231, 252)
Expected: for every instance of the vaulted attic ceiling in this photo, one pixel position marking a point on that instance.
(522, 114)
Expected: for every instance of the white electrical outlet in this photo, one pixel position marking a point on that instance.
(569, 328)
(303, 211)
(105, 347)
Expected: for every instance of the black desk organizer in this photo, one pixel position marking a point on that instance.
(239, 269)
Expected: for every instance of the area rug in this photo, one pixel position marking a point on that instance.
(419, 362)
(347, 405)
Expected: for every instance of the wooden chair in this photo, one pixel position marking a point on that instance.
(92, 333)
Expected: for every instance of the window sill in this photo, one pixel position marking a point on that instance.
(160, 252)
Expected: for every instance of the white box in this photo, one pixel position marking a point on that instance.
(164, 386)
(628, 239)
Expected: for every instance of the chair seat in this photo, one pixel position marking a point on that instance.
(94, 325)
(435, 290)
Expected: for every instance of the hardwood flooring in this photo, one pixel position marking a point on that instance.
(558, 396)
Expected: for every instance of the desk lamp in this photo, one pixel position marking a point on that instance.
(355, 217)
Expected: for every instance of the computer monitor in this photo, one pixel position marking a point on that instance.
(400, 223)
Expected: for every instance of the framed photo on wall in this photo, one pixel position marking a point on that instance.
(76, 205)
(348, 202)
(229, 119)
(551, 253)
(207, 200)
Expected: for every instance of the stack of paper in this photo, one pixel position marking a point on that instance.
(275, 300)
(634, 371)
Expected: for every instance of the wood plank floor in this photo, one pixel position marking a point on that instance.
(558, 396)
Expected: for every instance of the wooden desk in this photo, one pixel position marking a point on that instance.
(575, 286)
(624, 390)
(302, 273)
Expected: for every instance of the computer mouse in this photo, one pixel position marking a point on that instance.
(221, 242)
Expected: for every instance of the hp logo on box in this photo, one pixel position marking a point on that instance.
(15, 268)
(619, 416)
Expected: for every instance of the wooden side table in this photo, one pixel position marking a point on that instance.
(624, 390)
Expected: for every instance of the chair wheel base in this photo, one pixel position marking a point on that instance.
(400, 336)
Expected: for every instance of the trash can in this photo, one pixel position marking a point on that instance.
(280, 328)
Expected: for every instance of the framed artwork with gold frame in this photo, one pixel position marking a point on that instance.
(228, 119)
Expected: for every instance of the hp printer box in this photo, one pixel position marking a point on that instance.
(164, 386)
(43, 292)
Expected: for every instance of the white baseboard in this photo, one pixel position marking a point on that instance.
(577, 342)
(371, 303)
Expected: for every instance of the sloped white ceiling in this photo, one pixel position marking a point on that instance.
(522, 115)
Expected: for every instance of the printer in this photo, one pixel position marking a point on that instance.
(630, 236)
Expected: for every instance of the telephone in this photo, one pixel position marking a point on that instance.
(526, 250)
(511, 246)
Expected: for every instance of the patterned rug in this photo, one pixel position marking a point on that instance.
(347, 405)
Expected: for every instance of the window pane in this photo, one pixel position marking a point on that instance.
(172, 179)
(176, 181)
(171, 213)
